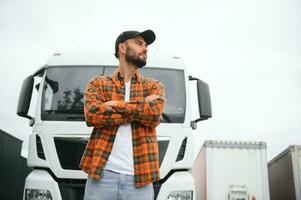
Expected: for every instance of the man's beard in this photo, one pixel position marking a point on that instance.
(132, 58)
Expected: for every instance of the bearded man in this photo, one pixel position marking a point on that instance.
(121, 157)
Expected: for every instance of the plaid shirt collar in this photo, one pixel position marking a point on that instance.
(116, 75)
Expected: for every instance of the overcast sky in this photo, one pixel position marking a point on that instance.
(249, 52)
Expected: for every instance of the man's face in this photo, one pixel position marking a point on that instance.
(136, 51)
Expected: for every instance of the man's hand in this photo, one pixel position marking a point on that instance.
(151, 97)
(111, 103)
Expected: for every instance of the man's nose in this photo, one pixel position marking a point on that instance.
(145, 49)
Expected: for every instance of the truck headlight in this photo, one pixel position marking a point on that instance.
(180, 195)
(37, 194)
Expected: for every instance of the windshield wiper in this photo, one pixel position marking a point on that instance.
(165, 116)
(76, 118)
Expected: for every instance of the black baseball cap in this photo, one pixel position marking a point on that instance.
(148, 36)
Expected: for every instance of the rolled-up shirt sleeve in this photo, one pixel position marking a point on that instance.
(148, 113)
(96, 112)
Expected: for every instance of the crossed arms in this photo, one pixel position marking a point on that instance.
(99, 113)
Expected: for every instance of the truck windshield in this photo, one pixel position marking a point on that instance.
(62, 98)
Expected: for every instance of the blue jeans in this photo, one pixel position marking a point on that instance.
(116, 186)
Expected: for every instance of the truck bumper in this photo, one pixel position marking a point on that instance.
(41, 179)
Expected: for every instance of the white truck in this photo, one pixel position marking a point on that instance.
(60, 134)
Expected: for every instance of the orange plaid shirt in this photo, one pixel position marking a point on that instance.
(143, 116)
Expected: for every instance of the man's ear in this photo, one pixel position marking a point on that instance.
(122, 48)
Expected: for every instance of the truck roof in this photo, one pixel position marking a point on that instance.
(234, 144)
(102, 58)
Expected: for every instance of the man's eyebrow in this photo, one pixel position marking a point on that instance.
(141, 41)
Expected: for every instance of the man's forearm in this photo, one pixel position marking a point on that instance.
(148, 111)
(102, 115)
(99, 113)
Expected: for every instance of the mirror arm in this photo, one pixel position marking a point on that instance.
(191, 78)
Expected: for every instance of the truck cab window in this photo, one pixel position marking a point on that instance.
(65, 85)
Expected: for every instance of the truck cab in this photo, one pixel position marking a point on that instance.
(60, 134)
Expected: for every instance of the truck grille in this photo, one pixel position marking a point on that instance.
(70, 150)
(72, 189)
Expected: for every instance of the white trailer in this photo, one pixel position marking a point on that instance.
(229, 170)
(285, 174)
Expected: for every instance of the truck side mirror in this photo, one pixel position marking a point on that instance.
(204, 101)
(25, 97)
